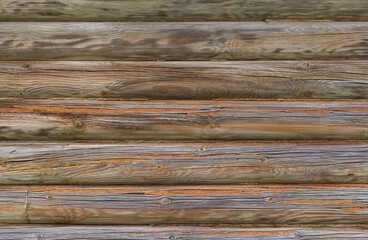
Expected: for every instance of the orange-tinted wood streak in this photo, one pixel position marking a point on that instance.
(185, 80)
(249, 204)
(171, 10)
(174, 120)
(184, 41)
(183, 163)
(52, 232)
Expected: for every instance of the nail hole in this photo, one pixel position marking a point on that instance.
(269, 199)
(263, 159)
(26, 66)
(202, 149)
(159, 167)
(48, 197)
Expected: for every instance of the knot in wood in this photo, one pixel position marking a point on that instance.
(79, 124)
(165, 201)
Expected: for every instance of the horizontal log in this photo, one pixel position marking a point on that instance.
(185, 80)
(258, 204)
(183, 41)
(182, 120)
(169, 10)
(33, 232)
(184, 163)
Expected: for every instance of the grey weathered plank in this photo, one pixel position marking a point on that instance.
(51, 232)
(182, 120)
(184, 41)
(174, 10)
(235, 204)
(183, 163)
(185, 80)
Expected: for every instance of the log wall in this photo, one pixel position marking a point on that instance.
(204, 119)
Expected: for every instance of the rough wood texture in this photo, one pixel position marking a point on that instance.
(37, 232)
(13, 204)
(204, 163)
(182, 120)
(183, 41)
(178, 10)
(186, 80)
(249, 204)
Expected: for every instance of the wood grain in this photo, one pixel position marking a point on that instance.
(247, 204)
(184, 41)
(185, 80)
(13, 204)
(174, 10)
(52, 232)
(82, 119)
(183, 163)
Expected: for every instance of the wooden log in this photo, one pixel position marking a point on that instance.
(185, 80)
(184, 163)
(184, 41)
(235, 204)
(52, 232)
(13, 204)
(170, 10)
(182, 120)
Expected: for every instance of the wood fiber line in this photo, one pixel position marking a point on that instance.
(174, 10)
(185, 80)
(182, 120)
(247, 204)
(183, 163)
(48, 232)
(184, 41)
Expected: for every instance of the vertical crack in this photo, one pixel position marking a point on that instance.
(26, 205)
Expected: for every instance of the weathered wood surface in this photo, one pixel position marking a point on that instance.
(174, 10)
(247, 204)
(183, 163)
(183, 41)
(85, 119)
(52, 232)
(13, 201)
(185, 80)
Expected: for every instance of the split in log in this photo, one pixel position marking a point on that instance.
(249, 204)
(183, 163)
(84, 119)
(184, 41)
(185, 80)
(171, 10)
